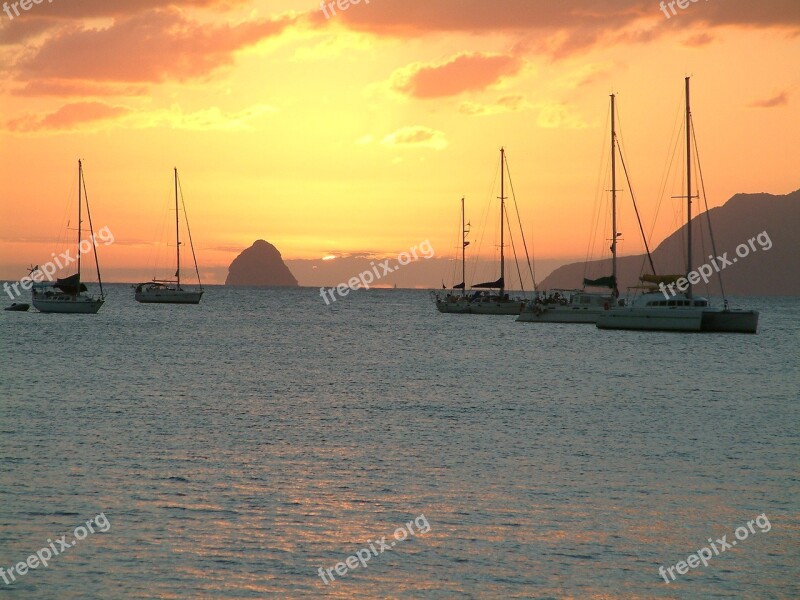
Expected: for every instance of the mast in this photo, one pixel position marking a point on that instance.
(80, 233)
(502, 215)
(613, 199)
(177, 232)
(463, 251)
(688, 189)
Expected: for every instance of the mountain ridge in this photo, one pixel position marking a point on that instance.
(765, 271)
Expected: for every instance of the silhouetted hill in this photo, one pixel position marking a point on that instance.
(260, 265)
(772, 272)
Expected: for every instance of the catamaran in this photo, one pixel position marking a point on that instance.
(170, 291)
(479, 302)
(682, 311)
(580, 306)
(70, 294)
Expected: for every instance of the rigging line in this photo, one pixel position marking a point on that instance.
(635, 208)
(514, 250)
(702, 236)
(705, 201)
(63, 234)
(522, 232)
(455, 261)
(189, 231)
(683, 215)
(91, 231)
(476, 258)
(674, 139)
(599, 205)
(156, 249)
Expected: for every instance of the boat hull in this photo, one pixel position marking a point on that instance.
(730, 321)
(651, 320)
(77, 306)
(168, 297)
(480, 308)
(496, 308)
(560, 314)
(459, 307)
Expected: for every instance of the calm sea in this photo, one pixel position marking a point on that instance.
(236, 447)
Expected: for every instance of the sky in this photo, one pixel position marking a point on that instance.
(355, 132)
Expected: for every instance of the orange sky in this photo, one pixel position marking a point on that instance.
(361, 132)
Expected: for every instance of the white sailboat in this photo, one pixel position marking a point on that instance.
(70, 295)
(478, 302)
(580, 306)
(170, 291)
(683, 311)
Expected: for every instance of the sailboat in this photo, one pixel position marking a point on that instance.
(683, 311)
(580, 306)
(70, 294)
(480, 302)
(170, 291)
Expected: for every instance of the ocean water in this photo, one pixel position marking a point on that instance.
(233, 449)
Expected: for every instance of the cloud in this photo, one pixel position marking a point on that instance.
(781, 99)
(151, 47)
(207, 119)
(511, 103)
(698, 39)
(560, 29)
(559, 115)
(416, 137)
(67, 89)
(69, 116)
(463, 73)
(587, 74)
(85, 115)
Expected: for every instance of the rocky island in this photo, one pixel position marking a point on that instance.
(260, 265)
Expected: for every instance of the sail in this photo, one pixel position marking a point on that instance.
(71, 284)
(608, 282)
(665, 279)
(500, 283)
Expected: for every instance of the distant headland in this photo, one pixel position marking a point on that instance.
(772, 271)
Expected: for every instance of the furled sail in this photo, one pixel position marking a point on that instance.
(71, 285)
(608, 282)
(500, 283)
